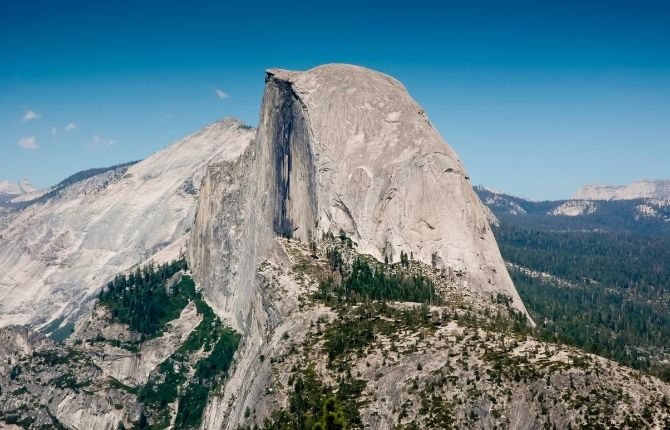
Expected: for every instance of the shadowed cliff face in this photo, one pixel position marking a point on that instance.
(268, 191)
(293, 169)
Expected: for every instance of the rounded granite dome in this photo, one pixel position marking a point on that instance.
(342, 147)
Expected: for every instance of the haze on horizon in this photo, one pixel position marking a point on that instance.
(537, 98)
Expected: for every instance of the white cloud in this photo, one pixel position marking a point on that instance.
(30, 115)
(100, 142)
(70, 127)
(29, 142)
(221, 94)
(54, 131)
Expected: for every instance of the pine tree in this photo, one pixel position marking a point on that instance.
(332, 417)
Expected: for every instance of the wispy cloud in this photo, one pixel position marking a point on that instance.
(100, 142)
(54, 131)
(30, 115)
(29, 142)
(70, 127)
(221, 94)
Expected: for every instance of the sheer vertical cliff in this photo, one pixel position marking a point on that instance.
(342, 148)
(338, 148)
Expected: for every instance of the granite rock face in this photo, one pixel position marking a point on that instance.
(224, 242)
(130, 367)
(645, 189)
(341, 148)
(338, 149)
(47, 385)
(56, 254)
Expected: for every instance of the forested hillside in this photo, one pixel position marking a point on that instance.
(598, 281)
(647, 217)
(368, 345)
(149, 356)
(376, 354)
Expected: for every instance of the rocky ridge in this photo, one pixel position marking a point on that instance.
(47, 385)
(12, 189)
(639, 215)
(10, 192)
(454, 358)
(111, 376)
(104, 340)
(56, 254)
(574, 208)
(648, 189)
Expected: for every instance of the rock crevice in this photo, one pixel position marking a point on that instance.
(287, 141)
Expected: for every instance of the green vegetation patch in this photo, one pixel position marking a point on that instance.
(142, 299)
(316, 406)
(617, 302)
(363, 281)
(600, 321)
(146, 300)
(357, 327)
(173, 382)
(68, 380)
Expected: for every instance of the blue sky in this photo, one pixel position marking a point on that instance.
(537, 97)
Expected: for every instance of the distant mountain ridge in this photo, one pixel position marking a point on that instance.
(10, 191)
(639, 216)
(11, 188)
(655, 189)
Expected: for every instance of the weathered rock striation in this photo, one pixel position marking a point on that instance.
(130, 367)
(341, 148)
(56, 254)
(47, 385)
